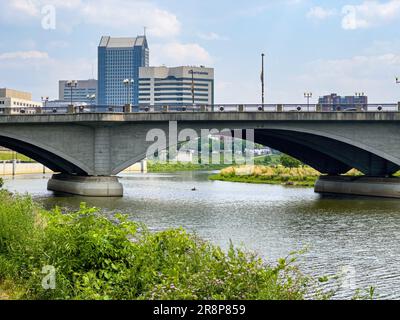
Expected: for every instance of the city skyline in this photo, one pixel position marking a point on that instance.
(315, 46)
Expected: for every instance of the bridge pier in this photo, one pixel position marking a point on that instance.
(361, 186)
(86, 186)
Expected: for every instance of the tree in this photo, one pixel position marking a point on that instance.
(289, 162)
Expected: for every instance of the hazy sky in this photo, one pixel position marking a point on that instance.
(319, 46)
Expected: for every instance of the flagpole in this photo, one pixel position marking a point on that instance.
(262, 80)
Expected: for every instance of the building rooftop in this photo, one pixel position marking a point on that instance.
(10, 93)
(110, 42)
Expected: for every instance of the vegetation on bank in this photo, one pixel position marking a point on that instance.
(96, 258)
(281, 169)
(156, 166)
(10, 155)
(301, 176)
(181, 166)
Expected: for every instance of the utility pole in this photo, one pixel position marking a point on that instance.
(262, 80)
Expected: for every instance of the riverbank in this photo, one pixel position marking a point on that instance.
(157, 167)
(168, 167)
(87, 256)
(302, 176)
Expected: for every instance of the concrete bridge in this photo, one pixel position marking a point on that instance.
(90, 149)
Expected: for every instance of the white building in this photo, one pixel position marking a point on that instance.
(173, 86)
(13, 101)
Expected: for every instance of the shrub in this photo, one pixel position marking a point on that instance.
(96, 258)
(1, 182)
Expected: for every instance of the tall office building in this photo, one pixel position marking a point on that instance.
(173, 86)
(85, 91)
(120, 59)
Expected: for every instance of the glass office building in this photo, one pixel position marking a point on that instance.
(119, 59)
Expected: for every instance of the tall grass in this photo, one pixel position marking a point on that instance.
(302, 176)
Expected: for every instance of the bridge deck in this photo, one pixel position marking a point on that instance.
(199, 117)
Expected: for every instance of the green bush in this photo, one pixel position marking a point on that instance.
(1, 182)
(289, 162)
(96, 258)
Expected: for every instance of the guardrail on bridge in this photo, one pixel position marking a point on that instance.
(383, 107)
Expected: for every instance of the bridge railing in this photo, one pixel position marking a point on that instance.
(218, 108)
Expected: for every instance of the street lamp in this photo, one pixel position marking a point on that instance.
(308, 95)
(91, 98)
(71, 84)
(128, 84)
(45, 100)
(359, 95)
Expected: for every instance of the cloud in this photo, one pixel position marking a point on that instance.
(24, 55)
(176, 53)
(211, 36)
(26, 7)
(117, 14)
(319, 13)
(38, 72)
(126, 14)
(373, 74)
(369, 14)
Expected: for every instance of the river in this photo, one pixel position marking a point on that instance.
(356, 235)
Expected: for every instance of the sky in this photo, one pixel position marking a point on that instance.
(342, 46)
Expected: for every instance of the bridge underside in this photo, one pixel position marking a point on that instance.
(48, 159)
(326, 155)
(103, 150)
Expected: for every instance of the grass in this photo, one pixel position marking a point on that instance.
(96, 258)
(180, 167)
(9, 155)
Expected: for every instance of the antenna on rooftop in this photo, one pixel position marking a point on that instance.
(145, 28)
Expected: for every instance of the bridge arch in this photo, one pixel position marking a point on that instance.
(48, 156)
(328, 153)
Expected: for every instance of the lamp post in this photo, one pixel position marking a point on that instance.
(360, 95)
(128, 84)
(398, 82)
(91, 98)
(262, 80)
(308, 95)
(45, 100)
(72, 84)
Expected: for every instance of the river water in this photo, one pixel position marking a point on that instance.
(356, 236)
